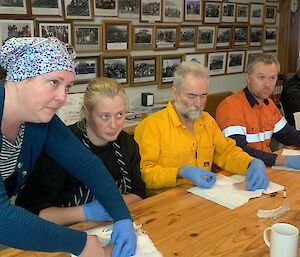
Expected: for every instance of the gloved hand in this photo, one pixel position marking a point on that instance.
(293, 162)
(95, 211)
(256, 175)
(124, 238)
(200, 177)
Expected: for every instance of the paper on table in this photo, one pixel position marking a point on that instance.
(145, 246)
(287, 152)
(225, 194)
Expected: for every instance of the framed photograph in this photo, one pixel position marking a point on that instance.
(46, 8)
(144, 69)
(256, 14)
(193, 10)
(116, 67)
(8, 7)
(106, 8)
(249, 54)
(206, 37)
(129, 9)
(270, 35)
(87, 38)
(142, 37)
(187, 36)
(256, 36)
(270, 14)
(195, 57)
(242, 13)
(59, 29)
(228, 12)
(240, 36)
(235, 61)
(15, 28)
(168, 63)
(87, 68)
(78, 10)
(116, 35)
(216, 63)
(224, 35)
(212, 13)
(151, 10)
(166, 37)
(172, 11)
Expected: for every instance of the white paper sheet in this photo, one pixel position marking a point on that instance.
(287, 152)
(145, 246)
(224, 193)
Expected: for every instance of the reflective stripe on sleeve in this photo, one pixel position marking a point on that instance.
(234, 130)
(279, 125)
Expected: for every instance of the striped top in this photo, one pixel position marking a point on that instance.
(10, 152)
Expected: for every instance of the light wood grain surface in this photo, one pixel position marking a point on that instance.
(182, 224)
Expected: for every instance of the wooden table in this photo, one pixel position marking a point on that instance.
(183, 224)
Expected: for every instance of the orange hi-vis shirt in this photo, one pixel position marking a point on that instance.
(241, 114)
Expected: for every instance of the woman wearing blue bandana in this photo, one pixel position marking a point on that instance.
(39, 73)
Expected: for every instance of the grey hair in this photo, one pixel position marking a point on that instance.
(261, 57)
(182, 70)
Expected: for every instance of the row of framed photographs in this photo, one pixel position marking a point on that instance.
(122, 36)
(157, 70)
(145, 10)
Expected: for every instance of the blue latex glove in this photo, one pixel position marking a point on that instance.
(293, 162)
(124, 238)
(256, 175)
(95, 211)
(200, 177)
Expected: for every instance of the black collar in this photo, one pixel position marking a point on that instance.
(251, 99)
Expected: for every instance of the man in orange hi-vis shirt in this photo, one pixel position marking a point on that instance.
(252, 119)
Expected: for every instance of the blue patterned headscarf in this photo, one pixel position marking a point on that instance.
(29, 57)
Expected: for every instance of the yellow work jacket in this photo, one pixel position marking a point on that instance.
(167, 145)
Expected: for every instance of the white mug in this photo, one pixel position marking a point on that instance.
(283, 240)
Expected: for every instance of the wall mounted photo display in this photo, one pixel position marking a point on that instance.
(142, 37)
(270, 14)
(144, 69)
(240, 1)
(87, 68)
(256, 36)
(256, 14)
(168, 63)
(242, 13)
(87, 37)
(19, 7)
(172, 11)
(196, 57)
(129, 9)
(166, 37)
(116, 35)
(228, 12)
(224, 36)
(15, 28)
(78, 10)
(216, 63)
(235, 62)
(193, 10)
(187, 36)
(59, 29)
(212, 12)
(151, 10)
(206, 37)
(115, 67)
(240, 36)
(46, 8)
(249, 54)
(106, 8)
(270, 37)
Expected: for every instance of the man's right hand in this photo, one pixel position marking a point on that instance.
(93, 248)
(200, 177)
(95, 211)
(293, 162)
